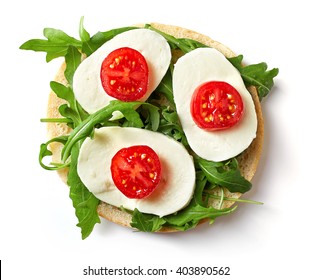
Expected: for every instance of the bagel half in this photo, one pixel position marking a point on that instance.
(248, 160)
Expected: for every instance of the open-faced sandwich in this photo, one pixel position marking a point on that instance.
(153, 127)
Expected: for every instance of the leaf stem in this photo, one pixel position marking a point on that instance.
(235, 199)
(171, 39)
(56, 120)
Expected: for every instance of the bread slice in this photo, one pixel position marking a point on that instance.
(248, 160)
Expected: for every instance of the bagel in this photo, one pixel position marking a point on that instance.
(248, 160)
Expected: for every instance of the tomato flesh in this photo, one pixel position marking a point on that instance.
(124, 74)
(136, 171)
(216, 105)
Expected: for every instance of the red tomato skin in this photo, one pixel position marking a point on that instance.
(124, 74)
(136, 171)
(216, 105)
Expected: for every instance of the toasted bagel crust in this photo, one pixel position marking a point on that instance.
(248, 160)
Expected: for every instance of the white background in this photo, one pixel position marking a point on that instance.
(38, 236)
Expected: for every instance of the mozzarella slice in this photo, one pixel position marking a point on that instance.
(190, 71)
(87, 84)
(178, 173)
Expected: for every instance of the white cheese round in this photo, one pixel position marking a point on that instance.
(178, 173)
(87, 84)
(190, 71)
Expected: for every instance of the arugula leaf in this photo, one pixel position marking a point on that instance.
(86, 127)
(170, 125)
(56, 45)
(63, 92)
(72, 59)
(225, 175)
(184, 44)
(69, 114)
(256, 75)
(72, 110)
(146, 222)
(200, 185)
(150, 116)
(84, 202)
(197, 209)
(133, 117)
(97, 40)
(44, 152)
(83, 33)
(165, 87)
(194, 213)
(59, 36)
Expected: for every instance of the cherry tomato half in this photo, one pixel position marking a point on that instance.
(124, 74)
(216, 105)
(136, 171)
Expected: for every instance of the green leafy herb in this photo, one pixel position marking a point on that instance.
(184, 44)
(165, 88)
(56, 45)
(150, 116)
(72, 109)
(256, 75)
(72, 59)
(146, 222)
(83, 33)
(235, 199)
(84, 202)
(132, 116)
(192, 214)
(96, 41)
(86, 127)
(45, 152)
(224, 174)
(170, 125)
